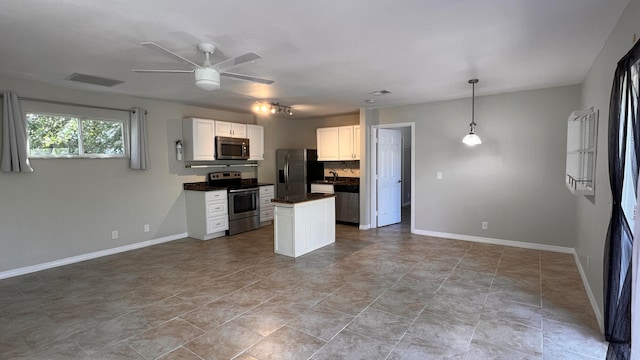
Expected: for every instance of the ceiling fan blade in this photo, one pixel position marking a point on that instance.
(233, 62)
(162, 71)
(169, 53)
(247, 78)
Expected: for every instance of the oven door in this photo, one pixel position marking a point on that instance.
(243, 203)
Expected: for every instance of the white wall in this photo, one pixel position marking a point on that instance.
(68, 207)
(514, 180)
(593, 213)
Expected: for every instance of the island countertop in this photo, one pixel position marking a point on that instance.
(295, 199)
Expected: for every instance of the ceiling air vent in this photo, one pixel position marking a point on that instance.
(380, 92)
(93, 80)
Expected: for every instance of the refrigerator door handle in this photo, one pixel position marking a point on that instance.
(286, 172)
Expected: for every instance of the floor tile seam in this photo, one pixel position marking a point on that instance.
(409, 328)
(481, 342)
(511, 322)
(515, 322)
(518, 302)
(571, 324)
(137, 352)
(70, 336)
(589, 356)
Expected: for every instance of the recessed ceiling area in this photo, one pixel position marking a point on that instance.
(324, 57)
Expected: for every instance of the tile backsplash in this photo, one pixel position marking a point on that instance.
(342, 168)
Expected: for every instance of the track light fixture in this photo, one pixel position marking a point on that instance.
(273, 108)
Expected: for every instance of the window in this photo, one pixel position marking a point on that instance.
(53, 136)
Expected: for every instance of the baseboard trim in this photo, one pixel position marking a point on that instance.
(89, 256)
(592, 298)
(365, 227)
(512, 243)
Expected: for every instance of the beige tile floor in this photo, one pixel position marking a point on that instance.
(377, 294)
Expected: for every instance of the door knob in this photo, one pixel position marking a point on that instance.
(399, 181)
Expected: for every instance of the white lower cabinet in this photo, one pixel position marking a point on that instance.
(266, 206)
(303, 227)
(207, 214)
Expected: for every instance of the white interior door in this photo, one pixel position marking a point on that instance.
(389, 184)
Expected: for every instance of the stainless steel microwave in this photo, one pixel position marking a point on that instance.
(228, 148)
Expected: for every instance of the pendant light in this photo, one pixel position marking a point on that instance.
(471, 139)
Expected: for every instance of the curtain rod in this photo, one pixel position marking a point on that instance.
(69, 103)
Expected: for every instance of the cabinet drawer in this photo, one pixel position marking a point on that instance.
(266, 190)
(216, 208)
(266, 215)
(218, 223)
(215, 195)
(265, 202)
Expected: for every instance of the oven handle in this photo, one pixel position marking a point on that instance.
(244, 190)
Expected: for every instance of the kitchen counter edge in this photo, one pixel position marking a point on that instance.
(296, 199)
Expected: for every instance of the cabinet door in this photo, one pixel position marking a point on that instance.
(255, 134)
(229, 129)
(239, 130)
(328, 144)
(356, 142)
(345, 137)
(223, 128)
(198, 138)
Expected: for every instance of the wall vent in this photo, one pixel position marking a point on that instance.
(93, 80)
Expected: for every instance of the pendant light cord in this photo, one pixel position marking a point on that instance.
(473, 104)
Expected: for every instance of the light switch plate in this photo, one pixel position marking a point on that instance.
(439, 175)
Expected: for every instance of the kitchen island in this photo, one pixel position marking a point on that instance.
(303, 223)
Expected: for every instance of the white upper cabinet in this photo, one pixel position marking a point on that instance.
(356, 142)
(338, 143)
(198, 139)
(328, 144)
(255, 134)
(230, 129)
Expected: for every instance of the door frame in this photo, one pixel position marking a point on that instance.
(373, 168)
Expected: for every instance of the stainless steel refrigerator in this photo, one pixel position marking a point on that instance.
(296, 169)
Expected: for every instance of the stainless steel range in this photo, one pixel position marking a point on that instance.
(244, 201)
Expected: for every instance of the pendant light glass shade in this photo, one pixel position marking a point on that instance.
(471, 139)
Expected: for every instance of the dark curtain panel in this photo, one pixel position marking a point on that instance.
(624, 131)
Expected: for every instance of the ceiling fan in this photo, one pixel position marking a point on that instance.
(207, 75)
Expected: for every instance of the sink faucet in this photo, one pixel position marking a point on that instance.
(334, 173)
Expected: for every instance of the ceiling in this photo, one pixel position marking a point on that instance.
(324, 56)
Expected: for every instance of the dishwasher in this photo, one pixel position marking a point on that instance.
(347, 203)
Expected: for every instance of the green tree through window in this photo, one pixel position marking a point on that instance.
(68, 136)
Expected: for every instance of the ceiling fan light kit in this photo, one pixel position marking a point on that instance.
(471, 139)
(207, 79)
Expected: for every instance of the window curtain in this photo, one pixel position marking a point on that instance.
(139, 144)
(624, 146)
(14, 136)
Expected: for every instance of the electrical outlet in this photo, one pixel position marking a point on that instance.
(485, 225)
(439, 175)
(146, 228)
(114, 234)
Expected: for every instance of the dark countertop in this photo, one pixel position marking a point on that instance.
(339, 181)
(295, 199)
(202, 186)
